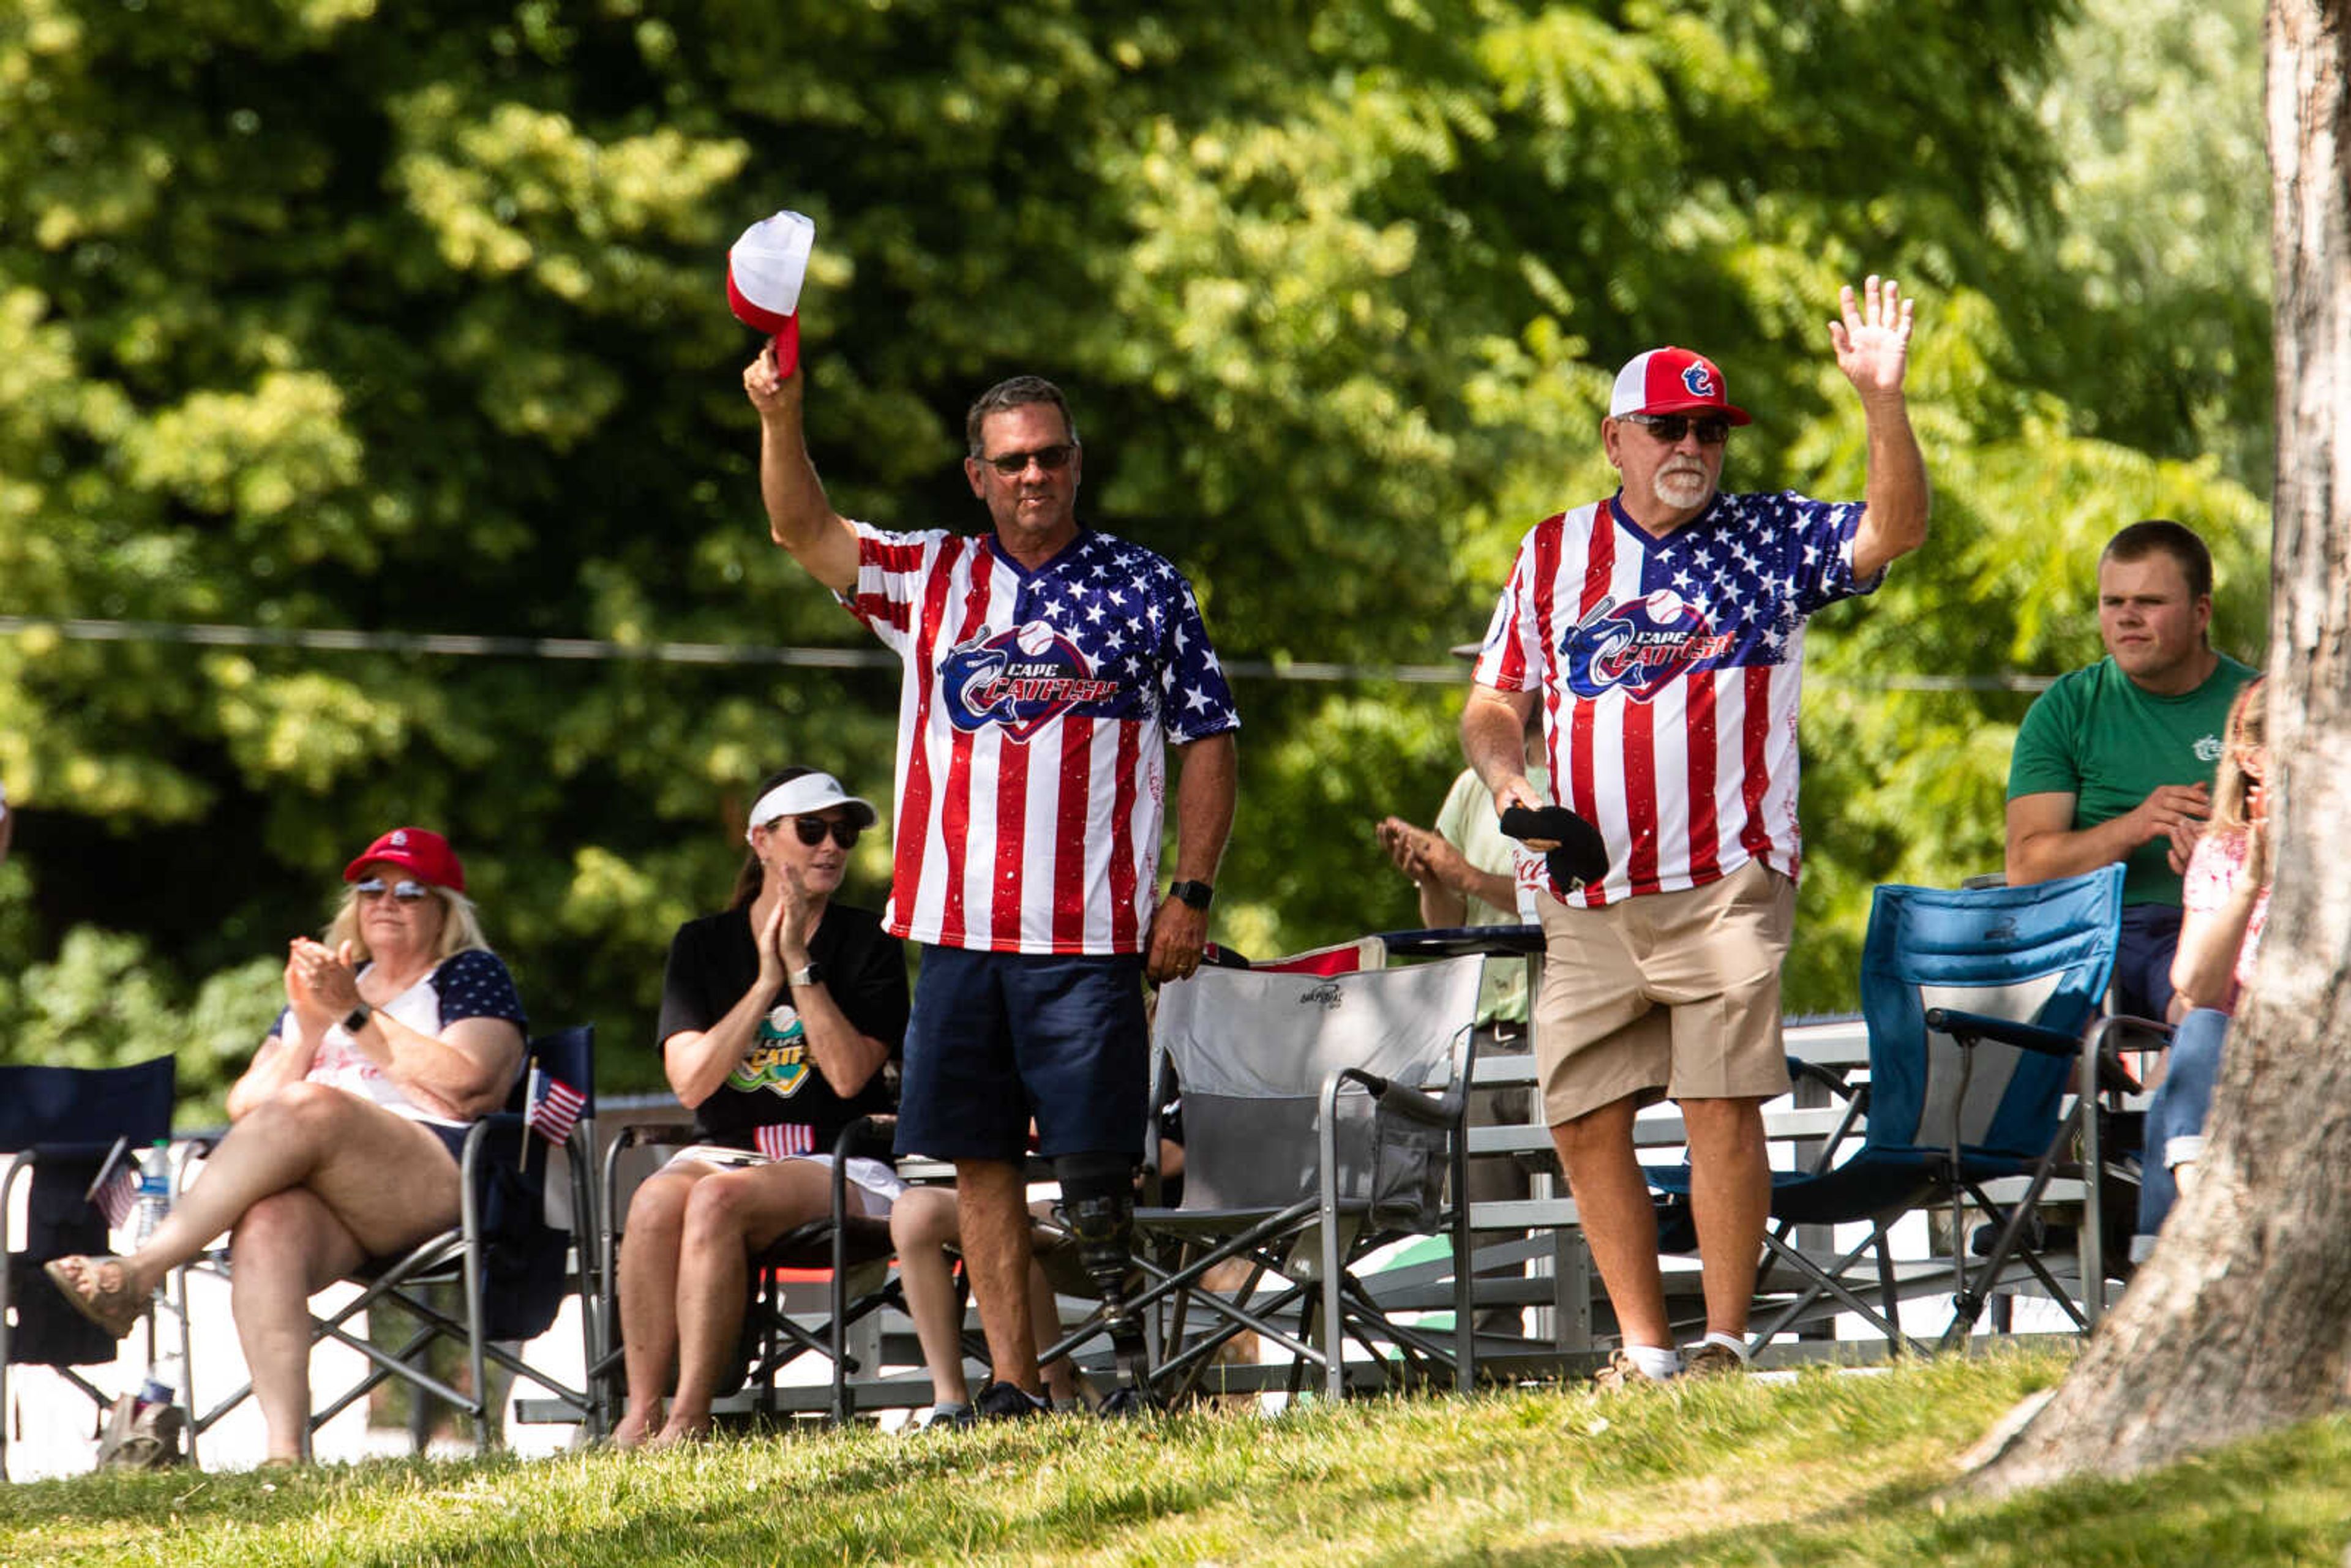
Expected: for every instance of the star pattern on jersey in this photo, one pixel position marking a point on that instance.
(1743, 568)
(1131, 609)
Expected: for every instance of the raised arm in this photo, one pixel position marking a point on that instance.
(800, 517)
(1873, 348)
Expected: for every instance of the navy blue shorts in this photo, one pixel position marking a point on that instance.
(452, 1137)
(998, 1038)
(2143, 960)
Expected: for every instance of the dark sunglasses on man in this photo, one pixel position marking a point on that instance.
(812, 829)
(1669, 428)
(405, 889)
(1053, 459)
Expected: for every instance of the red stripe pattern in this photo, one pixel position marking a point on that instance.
(1670, 672)
(782, 1140)
(1033, 722)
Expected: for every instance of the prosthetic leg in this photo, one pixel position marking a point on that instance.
(1098, 1206)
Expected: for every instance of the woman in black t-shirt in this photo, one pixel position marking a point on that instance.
(777, 1017)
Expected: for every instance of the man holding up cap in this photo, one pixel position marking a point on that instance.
(1662, 630)
(1047, 667)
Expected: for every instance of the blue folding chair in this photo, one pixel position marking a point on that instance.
(1977, 1003)
(60, 1126)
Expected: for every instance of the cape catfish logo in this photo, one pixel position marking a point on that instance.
(1022, 679)
(1639, 645)
(778, 1059)
(1699, 381)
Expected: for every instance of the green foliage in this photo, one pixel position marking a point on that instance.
(328, 314)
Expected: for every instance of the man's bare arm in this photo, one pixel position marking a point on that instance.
(1872, 339)
(800, 517)
(1205, 789)
(2043, 844)
(1493, 739)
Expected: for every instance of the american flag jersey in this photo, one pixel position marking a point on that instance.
(1669, 672)
(1032, 727)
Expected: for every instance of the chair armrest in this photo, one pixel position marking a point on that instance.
(1966, 1028)
(1812, 1071)
(2101, 1046)
(1418, 1104)
(629, 1135)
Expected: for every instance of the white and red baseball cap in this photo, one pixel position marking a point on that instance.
(764, 273)
(1672, 381)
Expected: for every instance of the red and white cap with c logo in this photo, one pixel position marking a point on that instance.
(1672, 381)
(764, 273)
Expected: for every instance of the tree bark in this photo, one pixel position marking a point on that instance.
(2242, 1320)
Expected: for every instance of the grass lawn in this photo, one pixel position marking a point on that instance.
(1829, 1468)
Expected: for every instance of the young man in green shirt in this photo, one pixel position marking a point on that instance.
(2114, 762)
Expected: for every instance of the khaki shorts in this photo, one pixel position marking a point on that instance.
(1666, 995)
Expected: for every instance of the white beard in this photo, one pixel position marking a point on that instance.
(1680, 488)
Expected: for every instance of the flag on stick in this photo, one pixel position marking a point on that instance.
(552, 1105)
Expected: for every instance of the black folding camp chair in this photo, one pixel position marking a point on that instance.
(60, 1127)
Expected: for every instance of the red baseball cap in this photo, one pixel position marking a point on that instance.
(764, 273)
(420, 850)
(1672, 381)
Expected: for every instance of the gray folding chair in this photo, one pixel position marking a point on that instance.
(1321, 1114)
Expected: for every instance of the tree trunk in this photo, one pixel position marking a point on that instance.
(2241, 1321)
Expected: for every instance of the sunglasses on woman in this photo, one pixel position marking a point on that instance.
(812, 829)
(405, 890)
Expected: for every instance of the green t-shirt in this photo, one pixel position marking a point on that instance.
(1467, 822)
(2098, 738)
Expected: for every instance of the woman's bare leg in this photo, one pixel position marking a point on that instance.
(729, 1215)
(287, 1246)
(921, 1227)
(648, 1286)
(388, 1181)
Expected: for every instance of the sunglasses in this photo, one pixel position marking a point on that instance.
(405, 890)
(812, 829)
(1670, 428)
(1053, 459)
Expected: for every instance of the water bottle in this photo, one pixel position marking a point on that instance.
(162, 1384)
(154, 1189)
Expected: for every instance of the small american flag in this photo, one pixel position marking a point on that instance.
(116, 1196)
(552, 1105)
(784, 1139)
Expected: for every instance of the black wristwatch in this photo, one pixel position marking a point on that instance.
(355, 1019)
(1196, 894)
(810, 975)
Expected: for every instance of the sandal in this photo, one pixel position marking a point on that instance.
(99, 1289)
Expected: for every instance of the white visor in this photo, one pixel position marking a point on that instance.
(805, 796)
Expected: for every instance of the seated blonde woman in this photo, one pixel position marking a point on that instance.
(401, 1029)
(2226, 895)
(778, 1015)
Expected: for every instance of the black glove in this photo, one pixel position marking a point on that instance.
(1580, 856)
